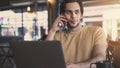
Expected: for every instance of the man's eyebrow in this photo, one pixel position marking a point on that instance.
(71, 10)
(77, 9)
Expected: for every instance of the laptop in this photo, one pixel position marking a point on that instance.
(37, 54)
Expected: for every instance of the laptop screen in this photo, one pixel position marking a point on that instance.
(38, 54)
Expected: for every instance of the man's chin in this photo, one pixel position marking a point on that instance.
(74, 26)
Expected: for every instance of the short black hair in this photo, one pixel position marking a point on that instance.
(64, 2)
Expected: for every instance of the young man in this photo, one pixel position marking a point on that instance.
(82, 45)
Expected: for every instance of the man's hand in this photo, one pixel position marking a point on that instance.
(80, 65)
(72, 66)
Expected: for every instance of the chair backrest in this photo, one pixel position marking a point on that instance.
(7, 39)
(5, 50)
(114, 48)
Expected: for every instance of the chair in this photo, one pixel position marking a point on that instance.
(114, 49)
(6, 56)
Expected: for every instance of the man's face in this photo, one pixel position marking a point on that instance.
(73, 13)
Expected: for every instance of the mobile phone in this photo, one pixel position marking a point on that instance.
(63, 25)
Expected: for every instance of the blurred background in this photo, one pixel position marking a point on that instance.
(32, 19)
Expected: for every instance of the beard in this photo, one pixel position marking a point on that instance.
(71, 27)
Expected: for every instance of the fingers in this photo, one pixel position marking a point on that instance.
(72, 66)
(62, 21)
(63, 18)
(59, 22)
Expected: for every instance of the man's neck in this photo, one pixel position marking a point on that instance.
(77, 28)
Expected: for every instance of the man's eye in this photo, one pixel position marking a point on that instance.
(68, 12)
(76, 12)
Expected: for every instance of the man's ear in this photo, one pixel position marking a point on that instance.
(81, 18)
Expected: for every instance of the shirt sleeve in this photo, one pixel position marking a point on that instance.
(100, 37)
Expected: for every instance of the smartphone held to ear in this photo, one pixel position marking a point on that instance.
(63, 25)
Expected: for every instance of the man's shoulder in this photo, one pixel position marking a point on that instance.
(92, 27)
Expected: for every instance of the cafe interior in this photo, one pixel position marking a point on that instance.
(30, 20)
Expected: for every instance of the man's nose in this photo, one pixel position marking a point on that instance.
(73, 14)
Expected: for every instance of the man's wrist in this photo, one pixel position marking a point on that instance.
(52, 32)
(86, 65)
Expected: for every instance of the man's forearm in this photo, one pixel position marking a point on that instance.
(98, 58)
(93, 60)
(51, 35)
